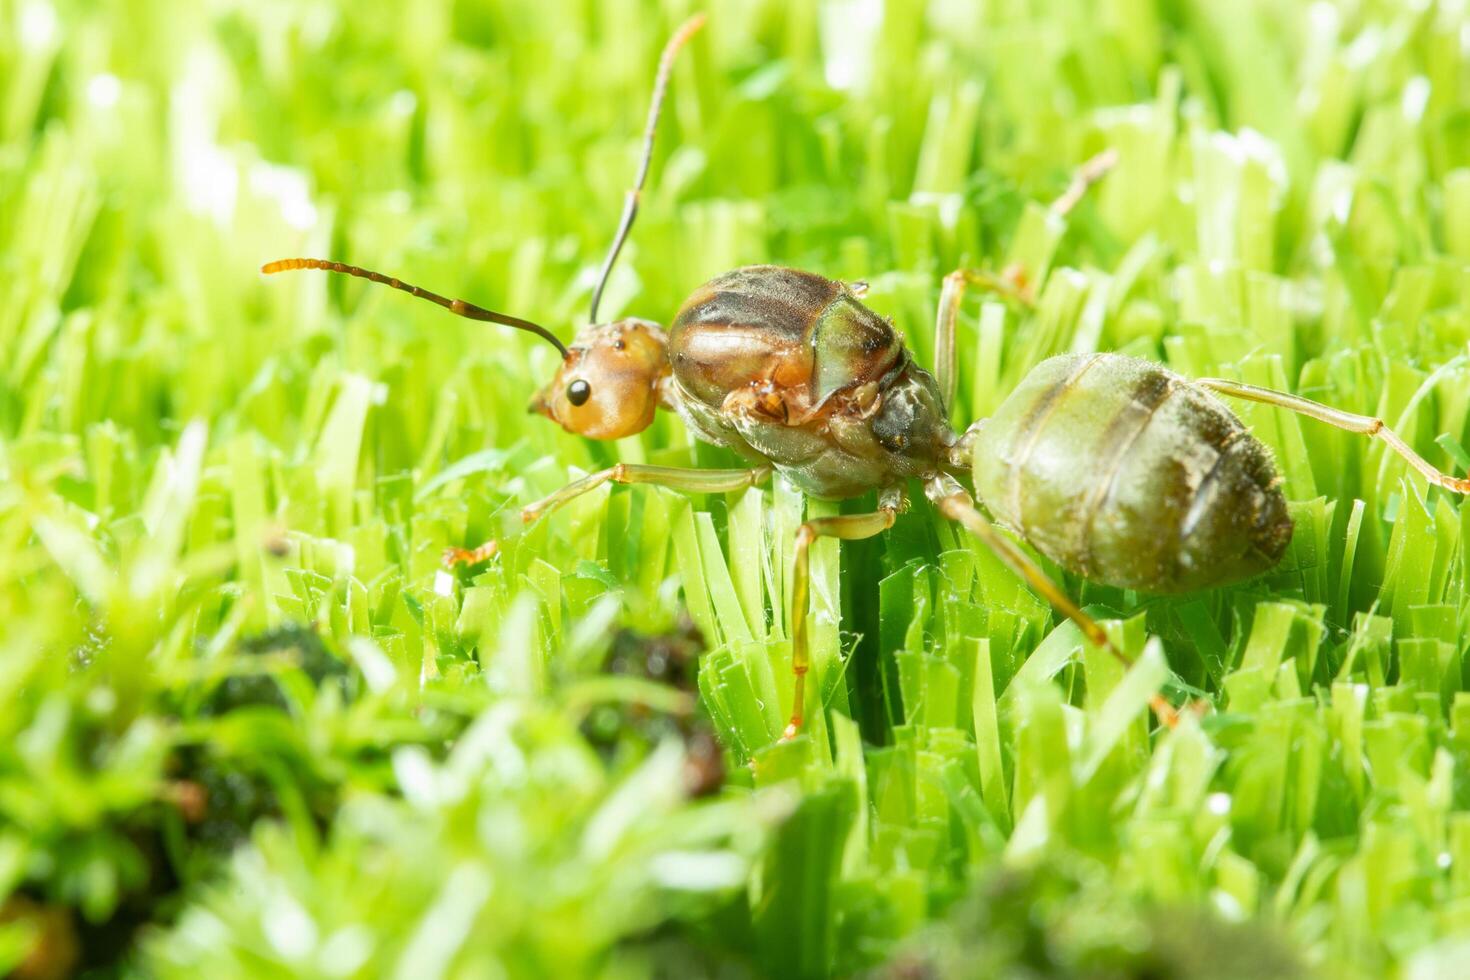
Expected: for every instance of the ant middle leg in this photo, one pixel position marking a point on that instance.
(1363, 424)
(673, 477)
(848, 527)
(955, 504)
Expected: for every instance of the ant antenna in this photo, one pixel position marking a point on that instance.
(630, 201)
(456, 306)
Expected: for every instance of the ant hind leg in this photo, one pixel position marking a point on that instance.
(1363, 424)
(955, 504)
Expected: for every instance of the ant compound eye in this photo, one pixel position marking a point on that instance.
(578, 392)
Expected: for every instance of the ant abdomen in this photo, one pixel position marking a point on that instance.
(1127, 474)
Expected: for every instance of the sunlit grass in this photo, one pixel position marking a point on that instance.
(248, 723)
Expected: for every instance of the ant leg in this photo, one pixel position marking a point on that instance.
(849, 527)
(673, 477)
(954, 503)
(471, 556)
(951, 294)
(1011, 282)
(1093, 169)
(1363, 424)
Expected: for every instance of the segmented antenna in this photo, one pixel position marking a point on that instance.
(456, 306)
(630, 201)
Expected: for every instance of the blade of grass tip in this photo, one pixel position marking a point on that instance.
(337, 449)
(1059, 648)
(949, 135)
(441, 425)
(1043, 765)
(1457, 213)
(1348, 561)
(987, 738)
(485, 461)
(1035, 242)
(787, 508)
(990, 342)
(795, 919)
(167, 510)
(1280, 428)
(545, 578)
(252, 525)
(445, 925)
(852, 765)
(652, 789)
(723, 597)
(1128, 701)
(515, 666)
(1459, 850)
(1058, 311)
(1446, 549)
(75, 553)
(748, 555)
(691, 569)
(1410, 562)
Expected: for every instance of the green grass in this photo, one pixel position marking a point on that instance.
(248, 726)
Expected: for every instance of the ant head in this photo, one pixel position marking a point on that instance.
(609, 383)
(610, 379)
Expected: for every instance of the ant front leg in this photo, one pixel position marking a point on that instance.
(673, 477)
(849, 527)
(954, 503)
(1363, 424)
(472, 556)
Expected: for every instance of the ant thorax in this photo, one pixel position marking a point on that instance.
(791, 368)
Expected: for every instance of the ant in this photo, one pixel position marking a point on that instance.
(1114, 467)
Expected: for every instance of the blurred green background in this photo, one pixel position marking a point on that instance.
(250, 726)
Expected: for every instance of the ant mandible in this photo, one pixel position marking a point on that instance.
(791, 371)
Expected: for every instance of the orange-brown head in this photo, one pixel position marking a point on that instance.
(609, 384)
(611, 379)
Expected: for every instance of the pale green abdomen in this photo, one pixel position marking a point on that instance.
(1127, 474)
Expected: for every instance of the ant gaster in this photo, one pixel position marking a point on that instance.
(1114, 467)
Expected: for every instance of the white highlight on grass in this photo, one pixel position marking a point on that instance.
(1218, 804)
(376, 668)
(207, 174)
(443, 583)
(39, 25)
(104, 90)
(101, 701)
(697, 871)
(287, 187)
(403, 102)
(1363, 49)
(1415, 98)
(345, 951)
(288, 926)
(445, 925)
(849, 31)
(416, 775)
